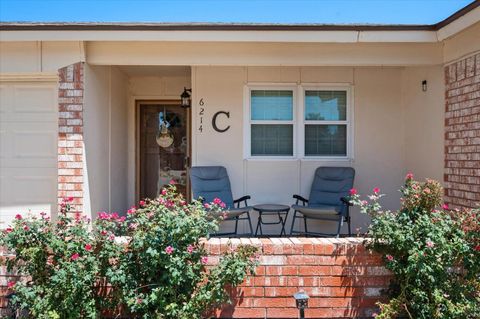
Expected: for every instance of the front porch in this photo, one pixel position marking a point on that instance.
(388, 111)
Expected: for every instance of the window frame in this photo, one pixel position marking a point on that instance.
(298, 121)
(248, 121)
(348, 122)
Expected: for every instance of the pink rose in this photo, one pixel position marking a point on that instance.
(390, 257)
(88, 247)
(132, 210)
(18, 217)
(217, 201)
(353, 191)
(190, 249)
(139, 300)
(376, 190)
(103, 215)
(75, 256)
(103, 232)
(172, 182)
(141, 203)
(133, 226)
(430, 243)
(206, 205)
(11, 284)
(164, 191)
(409, 176)
(8, 230)
(204, 260)
(43, 213)
(445, 206)
(26, 228)
(169, 250)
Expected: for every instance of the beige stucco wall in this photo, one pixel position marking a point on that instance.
(424, 121)
(105, 123)
(379, 152)
(39, 56)
(462, 44)
(262, 54)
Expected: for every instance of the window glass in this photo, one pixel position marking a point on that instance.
(272, 140)
(326, 105)
(271, 105)
(325, 140)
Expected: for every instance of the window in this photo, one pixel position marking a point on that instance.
(319, 128)
(271, 122)
(326, 123)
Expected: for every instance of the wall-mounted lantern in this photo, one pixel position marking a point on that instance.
(424, 85)
(185, 96)
(301, 300)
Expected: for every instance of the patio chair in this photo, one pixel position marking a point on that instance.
(210, 182)
(327, 199)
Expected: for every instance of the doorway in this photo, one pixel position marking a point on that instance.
(163, 144)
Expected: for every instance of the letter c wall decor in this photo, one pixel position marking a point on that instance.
(214, 121)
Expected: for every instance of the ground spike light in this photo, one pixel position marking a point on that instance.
(301, 300)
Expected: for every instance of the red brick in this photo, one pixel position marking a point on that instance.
(282, 313)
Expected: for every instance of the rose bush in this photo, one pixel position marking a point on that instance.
(150, 263)
(433, 252)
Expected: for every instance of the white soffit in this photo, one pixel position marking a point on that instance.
(458, 25)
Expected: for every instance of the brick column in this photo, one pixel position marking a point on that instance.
(70, 135)
(462, 133)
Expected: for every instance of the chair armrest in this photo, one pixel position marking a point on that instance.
(300, 198)
(346, 201)
(241, 199)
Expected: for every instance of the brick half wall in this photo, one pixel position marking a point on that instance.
(462, 133)
(341, 277)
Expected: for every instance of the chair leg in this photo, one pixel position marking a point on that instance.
(305, 224)
(340, 223)
(349, 230)
(250, 223)
(236, 226)
(293, 222)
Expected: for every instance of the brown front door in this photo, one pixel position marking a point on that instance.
(164, 147)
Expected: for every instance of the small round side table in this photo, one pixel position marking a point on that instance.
(271, 209)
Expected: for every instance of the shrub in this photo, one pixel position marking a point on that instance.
(433, 253)
(151, 262)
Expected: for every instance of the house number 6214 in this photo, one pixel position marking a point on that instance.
(201, 113)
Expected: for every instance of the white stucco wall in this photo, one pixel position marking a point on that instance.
(105, 127)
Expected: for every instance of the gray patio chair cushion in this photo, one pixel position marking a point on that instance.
(316, 211)
(209, 182)
(329, 185)
(235, 212)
